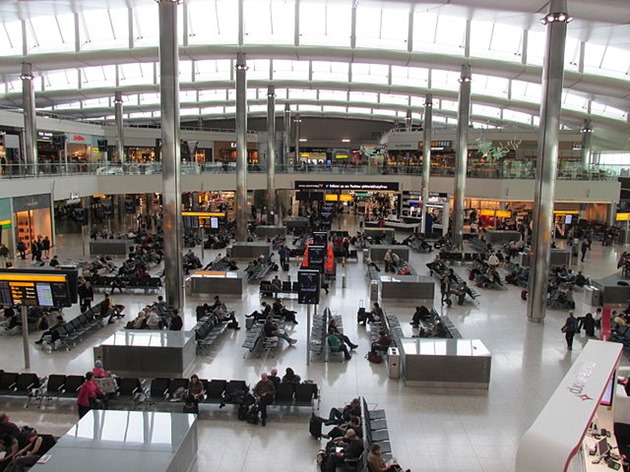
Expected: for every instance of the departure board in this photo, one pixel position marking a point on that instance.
(25, 289)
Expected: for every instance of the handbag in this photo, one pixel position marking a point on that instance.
(106, 384)
(564, 329)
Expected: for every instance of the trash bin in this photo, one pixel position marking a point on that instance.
(393, 363)
(592, 296)
(373, 291)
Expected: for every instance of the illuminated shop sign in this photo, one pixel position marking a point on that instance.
(365, 186)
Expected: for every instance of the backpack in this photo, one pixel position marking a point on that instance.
(374, 357)
(361, 315)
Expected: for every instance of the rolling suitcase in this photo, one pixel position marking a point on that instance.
(315, 426)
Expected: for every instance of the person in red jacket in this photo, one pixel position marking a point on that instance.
(89, 392)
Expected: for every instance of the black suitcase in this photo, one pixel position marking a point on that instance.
(361, 315)
(285, 267)
(315, 426)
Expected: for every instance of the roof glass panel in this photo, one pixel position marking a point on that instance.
(526, 91)
(444, 79)
(368, 97)
(330, 71)
(187, 96)
(307, 107)
(334, 109)
(98, 76)
(136, 73)
(359, 111)
(58, 80)
(213, 70)
(258, 69)
(448, 105)
(212, 110)
(450, 34)
(340, 95)
(212, 95)
(489, 85)
(616, 60)
(293, 70)
(303, 93)
(11, 38)
(506, 42)
(394, 99)
(148, 98)
(370, 73)
(536, 40)
(608, 111)
(593, 58)
(68, 106)
(96, 102)
(574, 101)
(484, 110)
(519, 117)
(416, 76)
(146, 20)
(571, 54)
(257, 108)
(326, 23)
(109, 29)
(51, 33)
(268, 21)
(213, 21)
(382, 27)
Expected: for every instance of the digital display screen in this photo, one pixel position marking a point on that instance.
(214, 222)
(608, 393)
(320, 238)
(568, 219)
(316, 256)
(309, 282)
(20, 289)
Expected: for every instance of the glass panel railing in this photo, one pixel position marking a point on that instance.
(498, 170)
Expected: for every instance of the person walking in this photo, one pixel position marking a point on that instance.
(88, 394)
(4, 255)
(21, 247)
(583, 248)
(569, 329)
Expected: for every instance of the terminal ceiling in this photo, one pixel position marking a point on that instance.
(344, 58)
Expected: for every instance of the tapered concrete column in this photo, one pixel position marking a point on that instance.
(120, 132)
(408, 121)
(587, 140)
(296, 125)
(241, 148)
(286, 139)
(461, 164)
(546, 165)
(169, 108)
(30, 123)
(426, 157)
(271, 154)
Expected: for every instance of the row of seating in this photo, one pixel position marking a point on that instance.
(458, 279)
(71, 333)
(374, 431)
(207, 331)
(259, 269)
(127, 284)
(287, 288)
(319, 331)
(257, 342)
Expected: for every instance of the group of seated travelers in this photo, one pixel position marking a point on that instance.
(277, 310)
(157, 316)
(338, 341)
(21, 447)
(219, 309)
(428, 324)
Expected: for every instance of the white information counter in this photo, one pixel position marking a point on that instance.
(110, 440)
(555, 441)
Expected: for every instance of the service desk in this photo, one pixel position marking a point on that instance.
(292, 222)
(207, 282)
(144, 353)
(110, 440)
(452, 363)
(250, 250)
(111, 247)
(559, 257)
(407, 287)
(270, 231)
(498, 236)
(377, 253)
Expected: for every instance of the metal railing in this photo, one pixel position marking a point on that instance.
(487, 171)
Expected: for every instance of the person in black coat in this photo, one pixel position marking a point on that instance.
(176, 322)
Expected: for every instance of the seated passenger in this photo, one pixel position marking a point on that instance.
(271, 329)
(280, 310)
(376, 463)
(336, 345)
(382, 343)
(333, 325)
(290, 376)
(195, 392)
(422, 313)
(352, 450)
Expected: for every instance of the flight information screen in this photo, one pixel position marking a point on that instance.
(34, 290)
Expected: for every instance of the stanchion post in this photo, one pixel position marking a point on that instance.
(308, 334)
(27, 352)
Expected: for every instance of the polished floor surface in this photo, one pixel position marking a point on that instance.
(431, 430)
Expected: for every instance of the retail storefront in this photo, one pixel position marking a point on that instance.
(6, 223)
(33, 218)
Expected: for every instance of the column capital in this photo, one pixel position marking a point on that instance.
(586, 126)
(428, 100)
(241, 62)
(271, 91)
(465, 76)
(287, 107)
(557, 13)
(27, 71)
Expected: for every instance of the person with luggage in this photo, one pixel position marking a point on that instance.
(352, 450)
(271, 329)
(89, 394)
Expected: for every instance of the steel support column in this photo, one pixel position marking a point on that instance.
(241, 148)
(546, 165)
(271, 154)
(408, 121)
(120, 132)
(169, 109)
(461, 164)
(426, 157)
(287, 135)
(30, 123)
(587, 143)
(296, 130)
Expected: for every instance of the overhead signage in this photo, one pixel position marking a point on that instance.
(359, 186)
(623, 217)
(31, 202)
(309, 283)
(437, 145)
(485, 212)
(20, 289)
(5, 224)
(503, 214)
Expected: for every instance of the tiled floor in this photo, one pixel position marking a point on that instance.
(431, 430)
